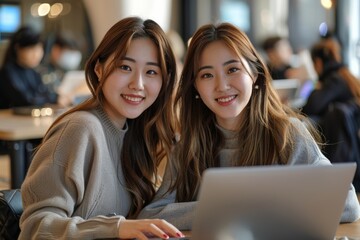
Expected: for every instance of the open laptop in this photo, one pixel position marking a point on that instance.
(272, 202)
(287, 89)
(74, 85)
(293, 91)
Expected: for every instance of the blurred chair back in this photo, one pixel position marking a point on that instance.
(341, 129)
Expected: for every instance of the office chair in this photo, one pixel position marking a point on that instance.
(10, 212)
(341, 131)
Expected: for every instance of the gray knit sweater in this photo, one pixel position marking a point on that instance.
(305, 151)
(75, 180)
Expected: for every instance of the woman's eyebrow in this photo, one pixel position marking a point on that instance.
(224, 64)
(147, 63)
(204, 67)
(129, 59)
(230, 61)
(153, 64)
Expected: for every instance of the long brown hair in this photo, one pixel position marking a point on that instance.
(150, 136)
(265, 136)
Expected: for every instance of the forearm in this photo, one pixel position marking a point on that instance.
(179, 214)
(52, 226)
(164, 206)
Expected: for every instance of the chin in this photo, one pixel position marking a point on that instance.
(133, 115)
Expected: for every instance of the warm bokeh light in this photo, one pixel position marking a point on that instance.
(43, 9)
(327, 4)
(34, 9)
(66, 8)
(55, 10)
(52, 11)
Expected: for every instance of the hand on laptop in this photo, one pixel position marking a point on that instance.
(142, 229)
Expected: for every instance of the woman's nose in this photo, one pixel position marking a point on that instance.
(222, 83)
(137, 82)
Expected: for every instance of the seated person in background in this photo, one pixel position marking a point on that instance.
(335, 84)
(335, 105)
(230, 116)
(64, 55)
(279, 54)
(20, 83)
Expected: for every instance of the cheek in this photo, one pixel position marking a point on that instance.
(36, 56)
(204, 93)
(39, 54)
(31, 59)
(248, 85)
(202, 88)
(154, 87)
(111, 84)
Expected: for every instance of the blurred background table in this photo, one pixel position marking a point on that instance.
(20, 132)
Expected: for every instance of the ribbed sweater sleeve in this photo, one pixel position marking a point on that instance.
(164, 206)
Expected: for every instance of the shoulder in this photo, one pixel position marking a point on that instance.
(333, 79)
(8, 69)
(74, 136)
(83, 117)
(302, 130)
(76, 124)
(300, 133)
(305, 149)
(297, 124)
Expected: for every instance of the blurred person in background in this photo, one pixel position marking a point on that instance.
(335, 105)
(280, 60)
(335, 83)
(64, 55)
(20, 83)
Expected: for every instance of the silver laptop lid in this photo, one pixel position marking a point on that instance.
(272, 202)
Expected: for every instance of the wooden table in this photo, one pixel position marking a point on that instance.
(349, 229)
(17, 131)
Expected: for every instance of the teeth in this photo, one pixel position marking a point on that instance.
(133, 99)
(228, 99)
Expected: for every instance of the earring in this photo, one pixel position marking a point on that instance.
(256, 86)
(197, 96)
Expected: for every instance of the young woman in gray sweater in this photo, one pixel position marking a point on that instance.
(230, 116)
(97, 165)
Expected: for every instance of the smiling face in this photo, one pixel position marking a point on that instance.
(135, 84)
(223, 83)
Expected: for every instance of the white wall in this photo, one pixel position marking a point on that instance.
(105, 13)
